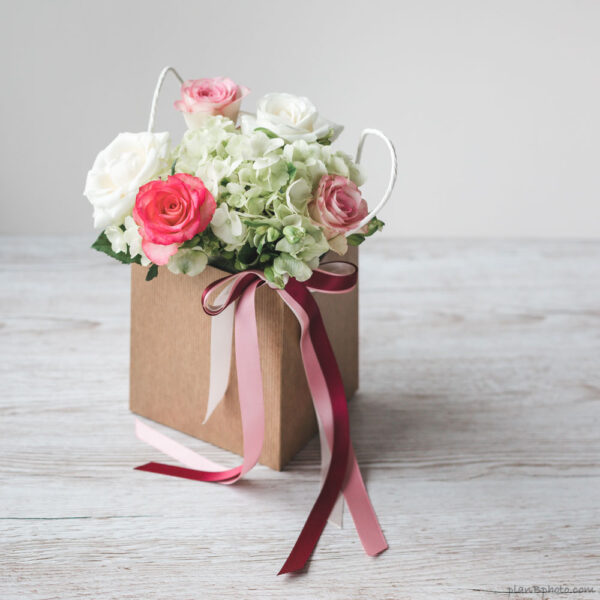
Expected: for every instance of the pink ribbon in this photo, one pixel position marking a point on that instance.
(325, 382)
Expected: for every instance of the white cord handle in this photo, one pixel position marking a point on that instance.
(159, 83)
(393, 172)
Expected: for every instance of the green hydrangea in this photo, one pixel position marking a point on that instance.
(262, 186)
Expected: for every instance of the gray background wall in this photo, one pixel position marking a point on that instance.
(493, 106)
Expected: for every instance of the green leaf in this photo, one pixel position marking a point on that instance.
(191, 243)
(291, 169)
(222, 263)
(103, 245)
(152, 272)
(247, 254)
(356, 239)
(374, 225)
(326, 139)
(173, 167)
(267, 132)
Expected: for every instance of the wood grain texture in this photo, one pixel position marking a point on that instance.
(476, 425)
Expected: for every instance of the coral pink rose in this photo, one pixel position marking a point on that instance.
(171, 212)
(201, 98)
(338, 206)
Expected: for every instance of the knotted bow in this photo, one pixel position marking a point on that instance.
(329, 399)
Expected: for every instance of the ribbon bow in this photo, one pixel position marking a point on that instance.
(327, 390)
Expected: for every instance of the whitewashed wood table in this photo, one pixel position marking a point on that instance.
(477, 428)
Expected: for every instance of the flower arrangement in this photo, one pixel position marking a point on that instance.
(270, 194)
(263, 197)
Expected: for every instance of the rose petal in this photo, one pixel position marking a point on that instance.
(158, 253)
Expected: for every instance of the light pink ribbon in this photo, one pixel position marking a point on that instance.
(221, 343)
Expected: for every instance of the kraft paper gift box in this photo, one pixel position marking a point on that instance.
(170, 361)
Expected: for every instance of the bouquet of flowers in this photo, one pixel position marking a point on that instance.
(270, 193)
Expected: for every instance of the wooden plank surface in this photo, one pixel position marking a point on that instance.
(476, 425)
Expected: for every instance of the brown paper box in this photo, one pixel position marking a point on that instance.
(170, 361)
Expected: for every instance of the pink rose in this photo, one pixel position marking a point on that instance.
(338, 206)
(171, 212)
(201, 98)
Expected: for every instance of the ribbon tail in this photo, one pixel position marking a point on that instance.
(321, 375)
(337, 512)
(251, 407)
(354, 490)
(355, 493)
(362, 511)
(318, 358)
(174, 449)
(221, 338)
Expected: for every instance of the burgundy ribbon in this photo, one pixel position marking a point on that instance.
(328, 394)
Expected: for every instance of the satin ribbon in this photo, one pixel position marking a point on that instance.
(221, 335)
(221, 342)
(325, 383)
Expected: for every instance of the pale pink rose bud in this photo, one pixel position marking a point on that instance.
(202, 98)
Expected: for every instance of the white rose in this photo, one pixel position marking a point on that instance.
(128, 162)
(291, 118)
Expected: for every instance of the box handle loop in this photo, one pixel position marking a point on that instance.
(393, 172)
(159, 84)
